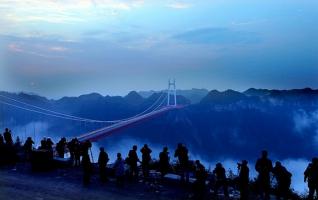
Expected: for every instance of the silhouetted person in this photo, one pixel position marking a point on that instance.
(102, 163)
(164, 164)
(182, 154)
(86, 147)
(43, 145)
(132, 162)
(199, 184)
(49, 146)
(243, 179)
(28, 147)
(60, 147)
(8, 137)
(119, 167)
(17, 143)
(220, 179)
(87, 168)
(70, 146)
(311, 176)
(146, 158)
(264, 167)
(77, 152)
(283, 178)
(49, 143)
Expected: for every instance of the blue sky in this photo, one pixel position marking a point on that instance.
(68, 47)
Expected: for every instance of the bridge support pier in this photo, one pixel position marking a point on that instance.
(172, 91)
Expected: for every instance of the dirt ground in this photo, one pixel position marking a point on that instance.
(21, 184)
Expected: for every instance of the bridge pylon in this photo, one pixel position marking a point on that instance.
(172, 91)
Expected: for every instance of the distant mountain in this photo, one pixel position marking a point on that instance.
(146, 94)
(194, 95)
(282, 93)
(226, 97)
(223, 124)
(257, 92)
(134, 98)
(93, 105)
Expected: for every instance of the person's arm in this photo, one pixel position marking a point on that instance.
(107, 158)
(257, 168)
(306, 174)
(271, 166)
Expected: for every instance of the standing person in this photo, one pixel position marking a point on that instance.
(119, 167)
(243, 179)
(311, 176)
(49, 146)
(264, 167)
(146, 158)
(60, 147)
(220, 179)
(8, 137)
(283, 178)
(17, 143)
(102, 163)
(77, 152)
(43, 144)
(28, 146)
(86, 146)
(164, 164)
(199, 184)
(87, 168)
(132, 162)
(182, 154)
(70, 146)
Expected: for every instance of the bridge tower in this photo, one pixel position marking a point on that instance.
(172, 91)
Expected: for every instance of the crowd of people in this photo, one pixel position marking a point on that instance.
(128, 168)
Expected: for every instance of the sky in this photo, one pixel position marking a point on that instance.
(61, 48)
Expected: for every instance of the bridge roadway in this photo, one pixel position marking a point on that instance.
(108, 130)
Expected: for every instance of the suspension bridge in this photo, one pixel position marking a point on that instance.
(161, 105)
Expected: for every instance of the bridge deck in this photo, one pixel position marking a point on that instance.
(108, 130)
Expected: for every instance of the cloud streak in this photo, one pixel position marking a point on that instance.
(40, 50)
(61, 12)
(179, 5)
(214, 35)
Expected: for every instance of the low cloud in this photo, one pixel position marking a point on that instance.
(304, 120)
